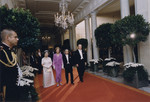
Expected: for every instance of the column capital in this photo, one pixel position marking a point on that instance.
(73, 26)
(93, 13)
(86, 17)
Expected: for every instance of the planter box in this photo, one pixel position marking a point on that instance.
(94, 67)
(113, 72)
(135, 75)
(104, 64)
(136, 82)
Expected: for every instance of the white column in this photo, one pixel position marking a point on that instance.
(9, 3)
(88, 37)
(74, 37)
(0, 3)
(142, 7)
(70, 38)
(94, 26)
(3, 2)
(125, 11)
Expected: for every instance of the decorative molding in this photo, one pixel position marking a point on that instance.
(49, 0)
(45, 12)
(81, 6)
(93, 5)
(53, 0)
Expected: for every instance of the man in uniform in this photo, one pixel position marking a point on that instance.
(8, 65)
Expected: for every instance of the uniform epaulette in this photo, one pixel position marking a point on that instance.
(1, 48)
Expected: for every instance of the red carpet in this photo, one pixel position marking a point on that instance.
(94, 89)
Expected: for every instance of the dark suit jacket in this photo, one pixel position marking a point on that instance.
(77, 57)
(8, 76)
(32, 61)
(65, 60)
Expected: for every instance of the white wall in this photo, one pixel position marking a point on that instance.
(107, 18)
(143, 7)
(80, 30)
(9, 3)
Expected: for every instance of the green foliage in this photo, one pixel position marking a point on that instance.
(66, 44)
(129, 74)
(84, 42)
(122, 29)
(103, 36)
(24, 95)
(26, 26)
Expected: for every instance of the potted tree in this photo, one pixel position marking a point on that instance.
(84, 43)
(135, 75)
(103, 37)
(24, 23)
(66, 44)
(131, 30)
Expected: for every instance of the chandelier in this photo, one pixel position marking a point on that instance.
(64, 20)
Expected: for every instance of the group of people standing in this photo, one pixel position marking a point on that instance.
(65, 60)
(9, 67)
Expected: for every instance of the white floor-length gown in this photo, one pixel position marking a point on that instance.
(48, 76)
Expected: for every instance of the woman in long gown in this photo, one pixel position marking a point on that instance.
(48, 77)
(58, 65)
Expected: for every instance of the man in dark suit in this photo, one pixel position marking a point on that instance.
(8, 65)
(80, 61)
(67, 59)
(32, 60)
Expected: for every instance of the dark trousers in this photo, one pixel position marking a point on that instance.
(39, 66)
(81, 70)
(68, 69)
(12, 93)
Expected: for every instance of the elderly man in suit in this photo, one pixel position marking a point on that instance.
(68, 63)
(80, 61)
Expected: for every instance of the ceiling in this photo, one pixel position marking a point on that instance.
(44, 10)
(113, 7)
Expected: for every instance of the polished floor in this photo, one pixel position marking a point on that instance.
(116, 79)
(93, 89)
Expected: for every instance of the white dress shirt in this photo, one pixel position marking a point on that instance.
(32, 57)
(81, 54)
(67, 57)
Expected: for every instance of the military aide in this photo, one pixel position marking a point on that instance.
(8, 65)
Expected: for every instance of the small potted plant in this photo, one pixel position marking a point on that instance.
(113, 68)
(26, 84)
(107, 60)
(94, 64)
(135, 75)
